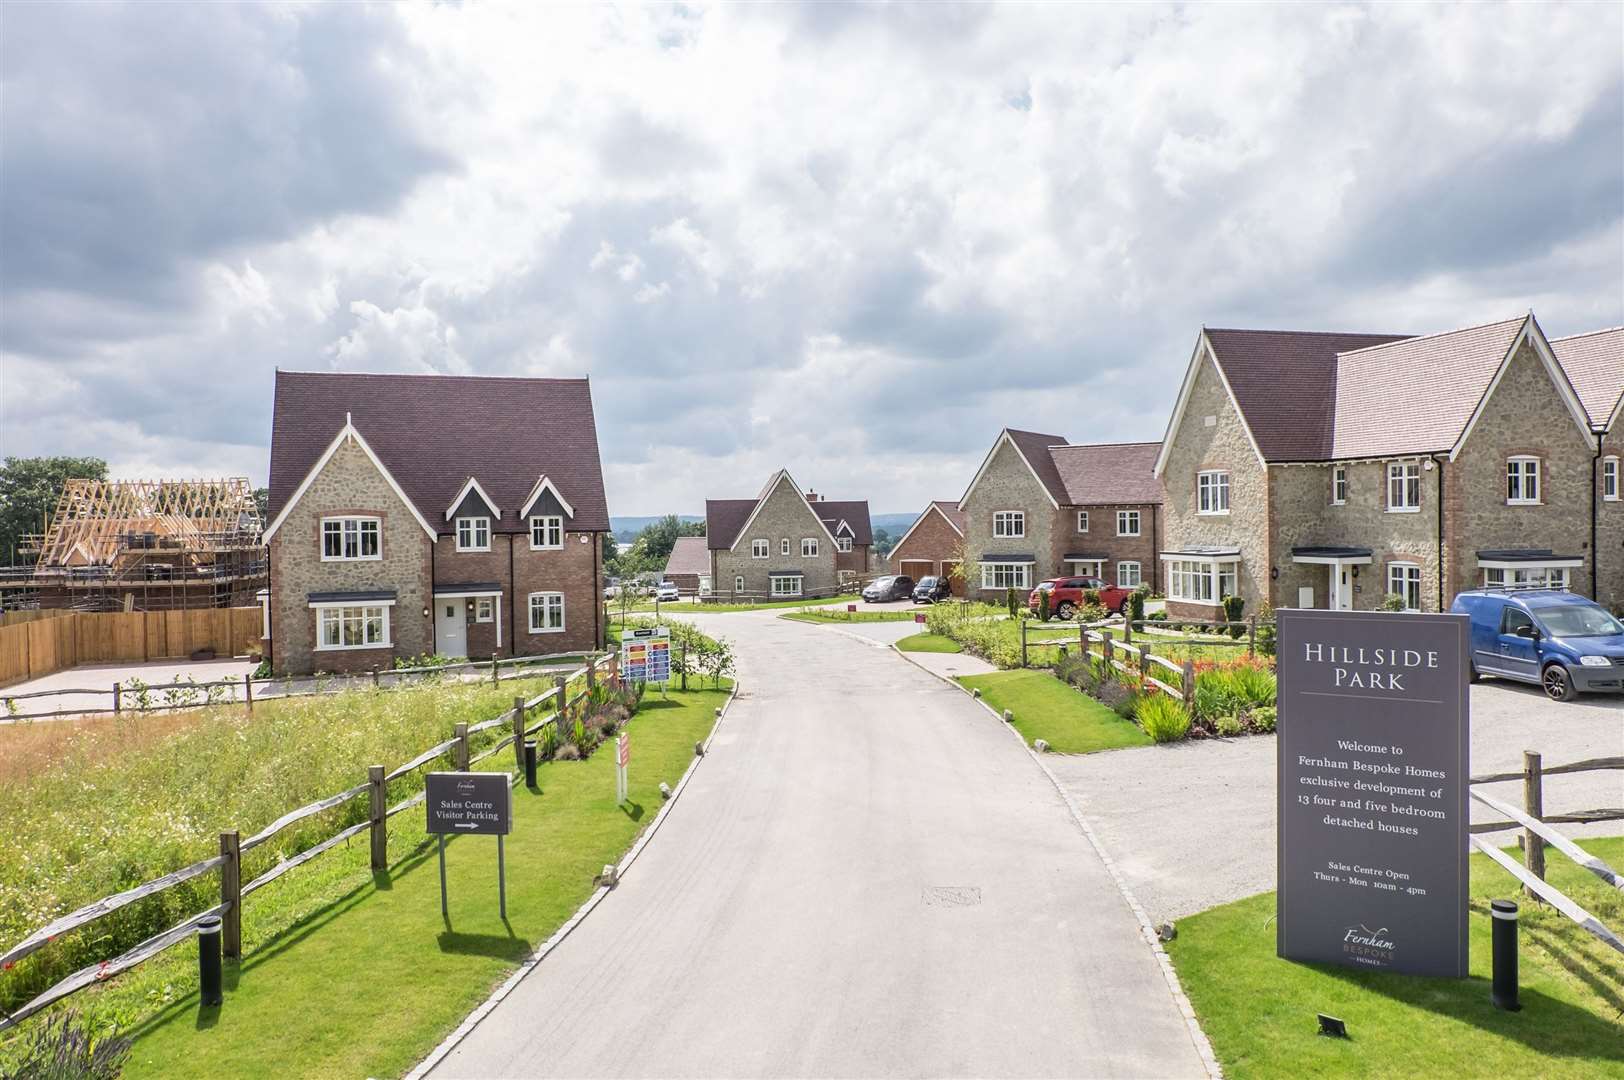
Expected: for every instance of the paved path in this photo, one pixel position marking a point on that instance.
(866, 877)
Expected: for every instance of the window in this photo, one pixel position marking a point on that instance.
(1554, 577)
(1082, 521)
(1514, 619)
(546, 532)
(473, 534)
(738, 582)
(1403, 487)
(1211, 493)
(1609, 479)
(1128, 522)
(362, 627)
(1009, 524)
(1128, 575)
(786, 584)
(1006, 575)
(1339, 485)
(783, 546)
(809, 547)
(546, 612)
(758, 549)
(484, 609)
(350, 539)
(1200, 581)
(842, 543)
(1522, 480)
(1404, 579)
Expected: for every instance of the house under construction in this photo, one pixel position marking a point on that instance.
(143, 545)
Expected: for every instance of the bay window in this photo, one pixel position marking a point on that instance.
(1202, 581)
(1006, 575)
(362, 626)
(786, 584)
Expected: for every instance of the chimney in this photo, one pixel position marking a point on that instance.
(812, 496)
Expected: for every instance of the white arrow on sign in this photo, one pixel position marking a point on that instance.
(464, 825)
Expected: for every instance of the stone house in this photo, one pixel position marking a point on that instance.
(1595, 365)
(784, 543)
(688, 568)
(1333, 470)
(423, 514)
(1041, 507)
(933, 544)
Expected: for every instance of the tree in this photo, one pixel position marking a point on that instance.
(883, 542)
(611, 552)
(651, 549)
(29, 490)
(262, 502)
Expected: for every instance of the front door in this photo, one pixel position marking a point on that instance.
(1341, 587)
(450, 627)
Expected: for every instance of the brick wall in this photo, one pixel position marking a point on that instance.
(1102, 539)
(1610, 528)
(785, 515)
(933, 541)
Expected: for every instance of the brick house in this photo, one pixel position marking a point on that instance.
(1595, 365)
(1041, 507)
(688, 568)
(785, 543)
(419, 514)
(932, 545)
(1331, 470)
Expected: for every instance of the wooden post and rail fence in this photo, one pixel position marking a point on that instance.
(234, 891)
(1172, 677)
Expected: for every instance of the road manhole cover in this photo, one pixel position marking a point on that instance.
(952, 896)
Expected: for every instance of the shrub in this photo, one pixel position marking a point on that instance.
(1234, 606)
(1393, 602)
(1264, 718)
(1253, 685)
(1230, 724)
(1010, 602)
(1136, 604)
(568, 752)
(1091, 596)
(263, 671)
(1116, 696)
(61, 1047)
(1267, 639)
(1156, 616)
(1091, 612)
(1215, 695)
(1163, 718)
(1043, 605)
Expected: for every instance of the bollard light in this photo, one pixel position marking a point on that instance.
(530, 763)
(208, 960)
(1504, 987)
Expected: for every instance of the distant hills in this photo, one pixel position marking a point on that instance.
(627, 528)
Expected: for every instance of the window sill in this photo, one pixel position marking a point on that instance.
(1403, 510)
(1212, 513)
(352, 648)
(1129, 536)
(357, 558)
(472, 551)
(547, 630)
(1524, 502)
(546, 547)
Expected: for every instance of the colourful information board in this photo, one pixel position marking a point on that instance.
(645, 654)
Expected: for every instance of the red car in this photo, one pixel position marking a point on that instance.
(1066, 595)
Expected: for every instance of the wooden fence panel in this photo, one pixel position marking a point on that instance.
(39, 646)
(13, 654)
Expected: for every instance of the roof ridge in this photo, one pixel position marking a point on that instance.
(1441, 333)
(1587, 333)
(1089, 446)
(1315, 333)
(1039, 434)
(438, 375)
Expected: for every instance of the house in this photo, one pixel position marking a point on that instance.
(688, 568)
(1334, 470)
(423, 514)
(933, 545)
(786, 543)
(1594, 363)
(1041, 507)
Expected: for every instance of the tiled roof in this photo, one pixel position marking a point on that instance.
(1285, 383)
(1035, 448)
(950, 510)
(723, 520)
(433, 432)
(1108, 473)
(853, 512)
(1416, 395)
(1595, 365)
(688, 556)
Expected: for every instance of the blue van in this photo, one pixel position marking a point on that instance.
(1547, 637)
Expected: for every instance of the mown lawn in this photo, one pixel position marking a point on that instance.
(1258, 1010)
(939, 643)
(1046, 708)
(841, 615)
(368, 978)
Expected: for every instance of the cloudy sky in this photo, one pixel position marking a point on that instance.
(855, 241)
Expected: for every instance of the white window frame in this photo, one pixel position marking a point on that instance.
(760, 549)
(1124, 516)
(783, 546)
(1610, 478)
(1006, 575)
(1123, 573)
(1535, 576)
(546, 526)
(484, 609)
(738, 583)
(1202, 581)
(774, 580)
(1009, 524)
(1522, 477)
(1082, 521)
(843, 543)
(1339, 485)
(344, 523)
(1211, 492)
(1404, 477)
(365, 613)
(547, 608)
(474, 526)
(1404, 579)
(809, 547)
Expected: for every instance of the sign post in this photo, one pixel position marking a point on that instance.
(1372, 787)
(476, 803)
(623, 758)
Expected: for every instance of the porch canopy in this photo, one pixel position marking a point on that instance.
(1332, 555)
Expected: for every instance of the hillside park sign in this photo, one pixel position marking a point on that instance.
(1372, 786)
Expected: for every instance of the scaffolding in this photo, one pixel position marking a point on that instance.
(143, 545)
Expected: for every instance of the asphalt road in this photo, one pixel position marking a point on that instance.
(866, 877)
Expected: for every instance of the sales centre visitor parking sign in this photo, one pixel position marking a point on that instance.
(1372, 839)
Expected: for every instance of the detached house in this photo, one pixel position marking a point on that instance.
(1333, 470)
(1041, 507)
(933, 545)
(1595, 365)
(688, 567)
(785, 543)
(419, 514)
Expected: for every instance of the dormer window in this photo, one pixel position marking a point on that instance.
(546, 533)
(473, 534)
(1522, 480)
(842, 543)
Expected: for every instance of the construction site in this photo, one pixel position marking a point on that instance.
(142, 545)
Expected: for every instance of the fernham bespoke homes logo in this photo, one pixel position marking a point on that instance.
(1366, 946)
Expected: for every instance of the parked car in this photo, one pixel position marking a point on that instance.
(881, 589)
(1066, 595)
(1548, 637)
(667, 591)
(931, 589)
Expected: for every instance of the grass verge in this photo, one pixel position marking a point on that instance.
(841, 615)
(690, 607)
(1046, 708)
(929, 643)
(1258, 1010)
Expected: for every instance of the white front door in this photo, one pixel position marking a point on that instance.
(1341, 587)
(450, 627)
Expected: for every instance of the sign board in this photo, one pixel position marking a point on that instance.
(1372, 787)
(919, 617)
(645, 654)
(850, 608)
(475, 803)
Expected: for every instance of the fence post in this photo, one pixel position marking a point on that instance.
(1110, 652)
(1023, 641)
(378, 815)
(248, 691)
(1251, 634)
(518, 731)
(459, 751)
(591, 670)
(1127, 627)
(494, 663)
(562, 684)
(1189, 682)
(375, 678)
(118, 699)
(614, 670)
(684, 663)
(231, 894)
(1534, 807)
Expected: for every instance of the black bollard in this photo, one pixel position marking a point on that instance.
(208, 959)
(1504, 992)
(530, 763)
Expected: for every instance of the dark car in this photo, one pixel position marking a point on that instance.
(931, 589)
(1552, 638)
(882, 589)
